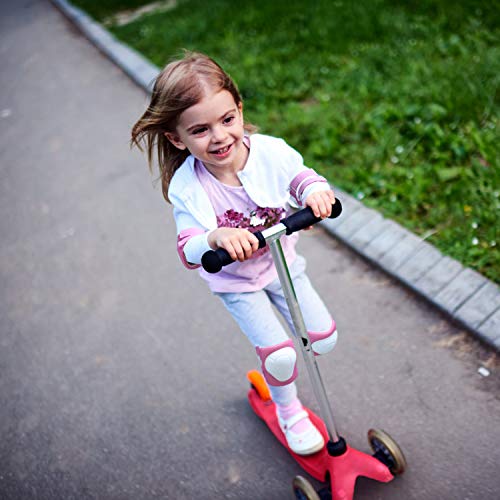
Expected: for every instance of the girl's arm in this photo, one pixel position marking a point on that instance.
(193, 241)
(308, 188)
(192, 238)
(305, 183)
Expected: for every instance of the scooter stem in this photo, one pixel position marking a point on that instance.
(301, 334)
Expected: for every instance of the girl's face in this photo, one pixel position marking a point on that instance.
(212, 131)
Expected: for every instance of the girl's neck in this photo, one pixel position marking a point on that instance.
(229, 175)
(227, 178)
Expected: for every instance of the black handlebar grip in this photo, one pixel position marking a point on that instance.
(214, 260)
(305, 218)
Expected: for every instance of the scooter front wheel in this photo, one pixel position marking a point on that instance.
(303, 489)
(387, 451)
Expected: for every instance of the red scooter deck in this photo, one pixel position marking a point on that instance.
(342, 470)
(316, 464)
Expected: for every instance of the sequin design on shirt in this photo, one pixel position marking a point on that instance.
(257, 220)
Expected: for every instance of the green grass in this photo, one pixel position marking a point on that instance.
(395, 102)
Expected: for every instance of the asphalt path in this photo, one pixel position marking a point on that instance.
(121, 377)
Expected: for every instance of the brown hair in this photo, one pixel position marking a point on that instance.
(180, 85)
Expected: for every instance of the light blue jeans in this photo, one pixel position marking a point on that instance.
(255, 316)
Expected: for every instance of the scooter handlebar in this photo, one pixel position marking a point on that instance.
(305, 218)
(214, 260)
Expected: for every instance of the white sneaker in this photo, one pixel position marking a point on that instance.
(305, 443)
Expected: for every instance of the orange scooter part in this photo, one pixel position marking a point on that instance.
(257, 381)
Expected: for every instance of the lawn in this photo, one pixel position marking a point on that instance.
(394, 102)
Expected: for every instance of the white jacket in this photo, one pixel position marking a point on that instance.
(273, 174)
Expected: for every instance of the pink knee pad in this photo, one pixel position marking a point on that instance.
(279, 363)
(323, 342)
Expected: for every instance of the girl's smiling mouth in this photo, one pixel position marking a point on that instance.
(222, 152)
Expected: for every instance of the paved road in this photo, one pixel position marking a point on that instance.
(121, 377)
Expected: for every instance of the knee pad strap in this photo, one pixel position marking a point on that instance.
(323, 342)
(279, 363)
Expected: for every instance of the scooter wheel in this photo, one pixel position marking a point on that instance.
(387, 451)
(259, 384)
(303, 489)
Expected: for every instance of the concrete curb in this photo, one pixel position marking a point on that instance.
(464, 295)
(131, 62)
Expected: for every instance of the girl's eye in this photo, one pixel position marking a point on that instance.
(198, 131)
(228, 120)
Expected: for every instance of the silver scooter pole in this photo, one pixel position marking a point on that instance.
(213, 261)
(272, 237)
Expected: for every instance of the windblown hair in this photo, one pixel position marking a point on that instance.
(180, 85)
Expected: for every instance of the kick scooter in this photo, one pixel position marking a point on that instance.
(337, 464)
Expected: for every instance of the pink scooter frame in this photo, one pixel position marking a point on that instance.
(340, 471)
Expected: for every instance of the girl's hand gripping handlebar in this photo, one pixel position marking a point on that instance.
(213, 260)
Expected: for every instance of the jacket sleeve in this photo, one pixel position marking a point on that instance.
(304, 181)
(192, 239)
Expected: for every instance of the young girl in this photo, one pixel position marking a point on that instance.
(224, 184)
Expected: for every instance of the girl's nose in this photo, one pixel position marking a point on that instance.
(219, 134)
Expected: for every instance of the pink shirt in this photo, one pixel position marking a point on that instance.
(234, 208)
